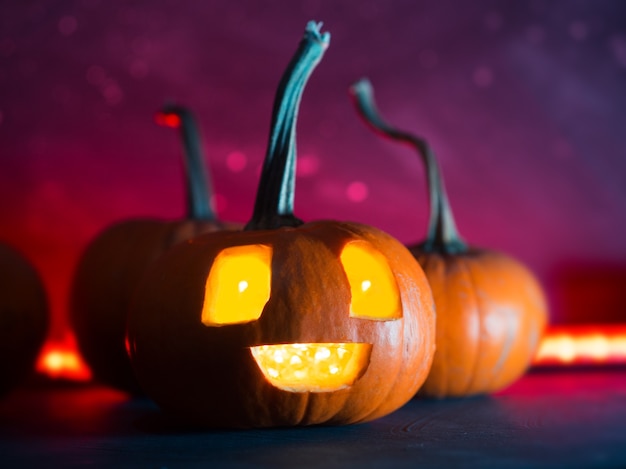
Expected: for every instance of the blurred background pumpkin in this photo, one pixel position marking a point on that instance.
(113, 263)
(24, 317)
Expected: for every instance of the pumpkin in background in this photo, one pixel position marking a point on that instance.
(491, 311)
(114, 261)
(285, 323)
(24, 317)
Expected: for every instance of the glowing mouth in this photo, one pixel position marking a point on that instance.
(317, 367)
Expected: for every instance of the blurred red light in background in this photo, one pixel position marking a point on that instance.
(60, 360)
(167, 119)
(583, 345)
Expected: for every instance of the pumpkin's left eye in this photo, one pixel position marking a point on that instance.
(375, 293)
(238, 285)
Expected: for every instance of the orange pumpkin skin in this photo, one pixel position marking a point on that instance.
(206, 375)
(24, 317)
(106, 275)
(491, 315)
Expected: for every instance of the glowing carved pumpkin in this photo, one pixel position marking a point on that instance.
(114, 261)
(491, 311)
(23, 317)
(284, 323)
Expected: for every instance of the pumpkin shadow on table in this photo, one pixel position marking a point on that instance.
(155, 421)
(264, 447)
(403, 421)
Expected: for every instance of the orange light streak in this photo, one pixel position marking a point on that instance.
(583, 344)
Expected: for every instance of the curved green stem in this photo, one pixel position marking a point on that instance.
(442, 235)
(198, 185)
(275, 196)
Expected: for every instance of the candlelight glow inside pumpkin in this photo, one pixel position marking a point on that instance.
(373, 287)
(321, 367)
(238, 285)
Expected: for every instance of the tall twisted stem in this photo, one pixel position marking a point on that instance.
(442, 235)
(275, 196)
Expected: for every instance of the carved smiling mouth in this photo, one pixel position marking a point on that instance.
(312, 367)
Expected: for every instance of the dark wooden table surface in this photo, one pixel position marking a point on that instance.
(547, 419)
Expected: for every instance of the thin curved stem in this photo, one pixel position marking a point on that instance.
(275, 196)
(198, 185)
(442, 235)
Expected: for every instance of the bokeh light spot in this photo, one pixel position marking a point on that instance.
(139, 69)
(578, 30)
(562, 149)
(142, 46)
(535, 34)
(357, 191)
(236, 161)
(67, 25)
(483, 77)
(112, 93)
(493, 21)
(95, 75)
(428, 59)
(618, 46)
(308, 165)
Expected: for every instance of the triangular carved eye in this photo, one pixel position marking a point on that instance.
(375, 293)
(238, 285)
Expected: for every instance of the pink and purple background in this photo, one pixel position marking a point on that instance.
(524, 103)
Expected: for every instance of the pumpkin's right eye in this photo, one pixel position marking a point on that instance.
(375, 293)
(238, 285)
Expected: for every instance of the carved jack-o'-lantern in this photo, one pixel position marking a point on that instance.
(113, 262)
(284, 323)
(491, 310)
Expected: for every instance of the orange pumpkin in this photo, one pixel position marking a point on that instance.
(491, 310)
(114, 261)
(24, 317)
(285, 323)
